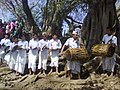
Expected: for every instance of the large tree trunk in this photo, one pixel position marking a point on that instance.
(30, 18)
(101, 14)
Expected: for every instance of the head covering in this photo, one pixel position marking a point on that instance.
(74, 32)
(44, 33)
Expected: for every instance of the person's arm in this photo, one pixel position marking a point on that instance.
(103, 40)
(114, 41)
(59, 44)
(61, 52)
(64, 46)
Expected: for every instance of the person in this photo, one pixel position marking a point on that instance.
(109, 62)
(33, 53)
(13, 53)
(22, 54)
(12, 26)
(72, 66)
(54, 46)
(5, 43)
(43, 54)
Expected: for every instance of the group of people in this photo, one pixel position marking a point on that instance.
(15, 51)
(12, 27)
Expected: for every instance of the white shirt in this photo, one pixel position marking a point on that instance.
(106, 39)
(43, 44)
(71, 43)
(55, 44)
(33, 43)
(5, 41)
(12, 45)
(23, 44)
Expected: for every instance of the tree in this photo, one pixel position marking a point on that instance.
(55, 12)
(101, 13)
(21, 10)
(30, 18)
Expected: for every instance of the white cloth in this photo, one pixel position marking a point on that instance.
(33, 53)
(109, 62)
(74, 66)
(43, 54)
(21, 59)
(71, 43)
(55, 45)
(5, 42)
(13, 56)
(8, 55)
(106, 39)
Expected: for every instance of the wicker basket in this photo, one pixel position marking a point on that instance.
(77, 54)
(103, 50)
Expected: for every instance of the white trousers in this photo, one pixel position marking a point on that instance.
(74, 66)
(32, 57)
(54, 58)
(109, 63)
(43, 55)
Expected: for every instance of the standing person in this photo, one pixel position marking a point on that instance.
(72, 66)
(54, 46)
(21, 59)
(12, 26)
(43, 54)
(109, 62)
(14, 53)
(5, 43)
(33, 53)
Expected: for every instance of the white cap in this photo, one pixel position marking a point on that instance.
(74, 32)
(44, 33)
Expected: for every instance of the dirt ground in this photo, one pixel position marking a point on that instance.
(9, 81)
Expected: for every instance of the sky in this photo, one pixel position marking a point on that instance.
(5, 16)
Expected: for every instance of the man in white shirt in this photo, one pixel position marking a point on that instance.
(43, 54)
(72, 66)
(54, 46)
(33, 53)
(109, 62)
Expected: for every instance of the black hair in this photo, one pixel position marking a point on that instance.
(110, 29)
(7, 34)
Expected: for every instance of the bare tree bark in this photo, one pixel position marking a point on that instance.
(101, 14)
(30, 17)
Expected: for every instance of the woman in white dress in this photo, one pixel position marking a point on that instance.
(21, 59)
(13, 53)
(33, 53)
(43, 54)
(5, 44)
(54, 46)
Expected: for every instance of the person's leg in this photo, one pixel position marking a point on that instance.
(40, 63)
(78, 75)
(51, 70)
(56, 69)
(69, 74)
(44, 66)
(30, 71)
